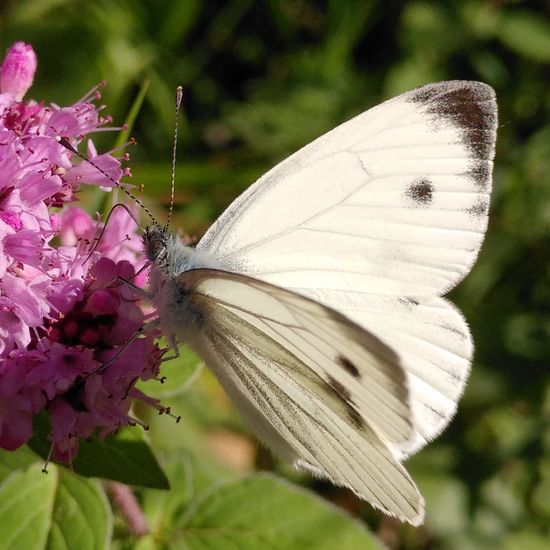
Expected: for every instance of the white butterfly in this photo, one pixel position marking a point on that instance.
(316, 297)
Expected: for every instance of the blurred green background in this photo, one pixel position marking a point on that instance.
(264, 78)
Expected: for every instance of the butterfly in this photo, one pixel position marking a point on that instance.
(316, 297)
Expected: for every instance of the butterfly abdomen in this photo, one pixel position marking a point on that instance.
(178, 312)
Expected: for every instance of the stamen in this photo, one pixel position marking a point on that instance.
(93, 92)
(172, 415)
(136, 421)
(122, 147)
(109, 129)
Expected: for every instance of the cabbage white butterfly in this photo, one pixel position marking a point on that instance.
(316, 297)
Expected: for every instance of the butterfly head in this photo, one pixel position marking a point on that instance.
(155, 241)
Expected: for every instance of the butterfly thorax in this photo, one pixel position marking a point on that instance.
(169, 258)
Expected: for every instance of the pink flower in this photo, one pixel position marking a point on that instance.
(68, 325)
(17, 71)
(14, 333)
(18, 402)
(84, 172)
(75, 224)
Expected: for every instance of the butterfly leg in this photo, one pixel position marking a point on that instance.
(172, 342)
(120, 350)
(174, 346)
(140, 291)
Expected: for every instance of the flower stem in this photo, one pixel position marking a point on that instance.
(128, 507)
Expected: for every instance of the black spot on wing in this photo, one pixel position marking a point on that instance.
(421, 191)
(480, 173)
(345, 397)
(348, 366)
(478, 209)
(355, 416)
(470, 106)
(338, 388)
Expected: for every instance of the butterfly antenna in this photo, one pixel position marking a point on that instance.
(97, 240)
(65, 142)
(179, 97)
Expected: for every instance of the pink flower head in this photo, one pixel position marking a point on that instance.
(68, 325)
(84, 172)
(17, 71)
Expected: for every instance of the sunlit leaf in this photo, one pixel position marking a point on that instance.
(264, 512)
(58, 510)
(11, 461)
(26, 506)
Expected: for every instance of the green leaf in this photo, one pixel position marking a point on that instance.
(161, 507)
(11, 461)
(447, 503)
(57, 511)
(126, 457)
(261, 511)
(81, 515)
(26, 507)
(540, 499)
(525, 540)
(190, 475)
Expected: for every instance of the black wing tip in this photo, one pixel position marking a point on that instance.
(472, 108)
(448, 88)
(470, 105)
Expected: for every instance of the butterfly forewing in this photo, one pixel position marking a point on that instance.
(433, 342)
(394, 201)
(328, 354)
(319, 390)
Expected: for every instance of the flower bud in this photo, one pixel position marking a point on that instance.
(17, 71)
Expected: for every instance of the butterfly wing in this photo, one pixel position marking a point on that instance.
(388, 207)
(433, 342)
(319, 390)
(392, 202)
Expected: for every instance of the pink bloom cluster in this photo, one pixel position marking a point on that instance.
(64, 315)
